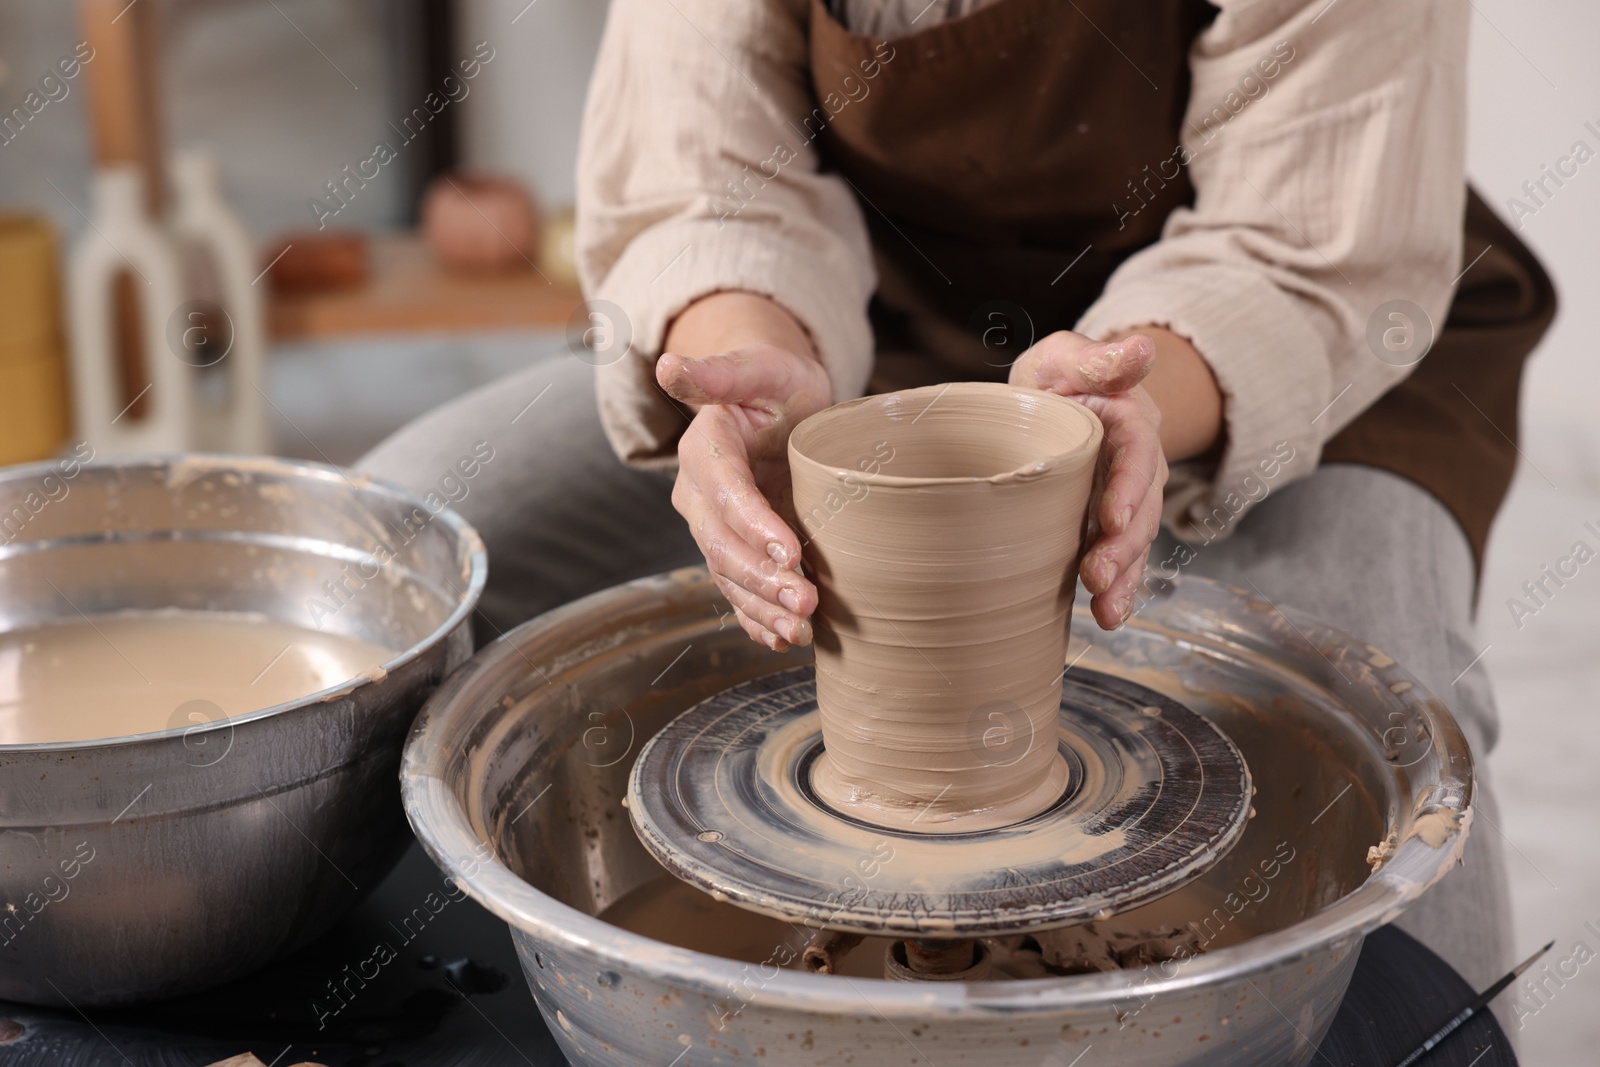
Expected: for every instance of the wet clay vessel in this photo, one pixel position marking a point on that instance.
(943, 527)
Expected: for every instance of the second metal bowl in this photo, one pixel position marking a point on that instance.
(155, 865)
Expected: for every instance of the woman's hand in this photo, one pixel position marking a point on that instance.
(1105, 379)
(733, 475)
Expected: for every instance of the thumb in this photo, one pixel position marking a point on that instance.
(746, 376)
(1062, 363)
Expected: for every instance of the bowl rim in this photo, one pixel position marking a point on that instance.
(818, 423)
(446, 833)
(472, 544)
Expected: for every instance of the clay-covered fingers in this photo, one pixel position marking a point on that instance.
(777, 598)
(766, 622)
(1128, 511)
(732, 464)
(753, 629)
(1110, 557)
(1136, 464)
(764, 593)
(714, 459)
(1071, 364)
(1112, 607)
(746, 544)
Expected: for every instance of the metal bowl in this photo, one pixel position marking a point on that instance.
(515, 771)
(156, 865)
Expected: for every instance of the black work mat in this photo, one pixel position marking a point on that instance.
(454, 996)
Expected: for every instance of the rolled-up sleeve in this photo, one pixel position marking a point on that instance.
(1326, 145)
(694, 177)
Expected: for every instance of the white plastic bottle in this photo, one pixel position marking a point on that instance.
(235, 420)
(122, 238)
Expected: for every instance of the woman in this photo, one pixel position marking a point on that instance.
(1234, 231)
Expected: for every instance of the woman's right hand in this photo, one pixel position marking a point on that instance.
(733, 478)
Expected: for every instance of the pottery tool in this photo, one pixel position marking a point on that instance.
(1477, 1004)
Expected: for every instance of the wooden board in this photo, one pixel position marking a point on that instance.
(407, 292)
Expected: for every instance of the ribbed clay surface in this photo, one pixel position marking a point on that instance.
(943, 527)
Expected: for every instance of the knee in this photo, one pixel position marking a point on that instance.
(440, 479)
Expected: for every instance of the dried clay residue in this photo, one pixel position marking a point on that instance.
(1379, 854)
(676, 913)
(1434, 827)
(1090, 948)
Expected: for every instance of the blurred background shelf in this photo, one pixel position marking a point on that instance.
(407, 292)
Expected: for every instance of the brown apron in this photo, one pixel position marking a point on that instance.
(987, 152)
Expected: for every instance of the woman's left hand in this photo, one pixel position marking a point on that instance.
(1105, 377)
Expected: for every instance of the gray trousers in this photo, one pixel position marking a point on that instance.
(1358, 548)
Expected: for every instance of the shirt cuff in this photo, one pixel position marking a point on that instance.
(667, 268)
(1270, 364)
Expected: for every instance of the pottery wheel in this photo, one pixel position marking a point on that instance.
(1155, 796)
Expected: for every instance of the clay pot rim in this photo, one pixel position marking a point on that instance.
(1048, 464)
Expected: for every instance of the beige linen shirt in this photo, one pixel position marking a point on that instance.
(1322, 191)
